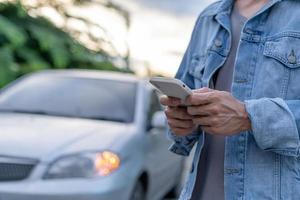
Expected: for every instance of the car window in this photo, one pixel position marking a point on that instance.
(101, 99)
(154, 106)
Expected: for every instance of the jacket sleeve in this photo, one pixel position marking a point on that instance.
(275, 124)
(183, 145)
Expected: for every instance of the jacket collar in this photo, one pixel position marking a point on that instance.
(225, 6)
(222, 14)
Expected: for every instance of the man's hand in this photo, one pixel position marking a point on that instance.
(218, 112)
(180, 122)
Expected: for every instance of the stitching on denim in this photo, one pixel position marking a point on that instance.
(285, 83)
(284, 34)
(245, 150)
(280, 165)
(252, 72)
(221, 52)
(268, 52)
(277, 177)
(287, 70)
(282, 59)
(282, 88)
(242, 153)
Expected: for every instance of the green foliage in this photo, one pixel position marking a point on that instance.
(28, 44)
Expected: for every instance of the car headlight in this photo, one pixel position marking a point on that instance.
(86, 165)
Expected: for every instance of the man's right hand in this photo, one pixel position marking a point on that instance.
(180, 122)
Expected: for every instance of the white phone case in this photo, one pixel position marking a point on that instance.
(171, 87)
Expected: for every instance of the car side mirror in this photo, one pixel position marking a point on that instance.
(158, 120)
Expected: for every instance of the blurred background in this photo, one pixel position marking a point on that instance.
(83, 39)
(146, 37)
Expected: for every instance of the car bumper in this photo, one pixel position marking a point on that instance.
(59, 197)
(66, 190)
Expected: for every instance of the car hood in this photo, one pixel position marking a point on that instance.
(37, 136)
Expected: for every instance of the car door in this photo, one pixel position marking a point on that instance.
(164, 166)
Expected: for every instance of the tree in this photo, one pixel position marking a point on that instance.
(29, 43)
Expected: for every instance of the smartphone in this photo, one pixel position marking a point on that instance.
(171, 87)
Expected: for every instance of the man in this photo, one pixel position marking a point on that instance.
(244, 63)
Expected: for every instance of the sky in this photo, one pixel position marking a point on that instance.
(157, 38)
(160, 32)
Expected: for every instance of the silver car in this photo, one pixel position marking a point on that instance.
(84, 135)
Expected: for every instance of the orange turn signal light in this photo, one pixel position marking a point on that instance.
(106, 162)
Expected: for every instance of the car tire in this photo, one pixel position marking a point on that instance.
(173, 193)
(139, 192)
(176, 189)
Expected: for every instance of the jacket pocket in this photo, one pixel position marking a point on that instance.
(196, 69)
(285, 50)
(281, 66)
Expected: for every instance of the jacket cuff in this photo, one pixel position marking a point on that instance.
(273, 126)
(183, 145)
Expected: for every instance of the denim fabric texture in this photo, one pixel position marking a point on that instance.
(264, 163)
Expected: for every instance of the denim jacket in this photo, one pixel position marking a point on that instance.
(263, 163)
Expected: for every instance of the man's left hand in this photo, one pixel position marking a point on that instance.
(218, 112)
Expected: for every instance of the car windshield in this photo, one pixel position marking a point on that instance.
(100, 99)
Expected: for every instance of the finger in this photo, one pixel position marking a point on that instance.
(197, 111)
(177, 113)
(205, 121)
(175, 123)
(170, 101)
(197, 99)
(203, 110)
(203, 90)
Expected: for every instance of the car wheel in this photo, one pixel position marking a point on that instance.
(139, 192)
(173, 193)
(176, 189)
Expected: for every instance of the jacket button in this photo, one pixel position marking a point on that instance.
(292, 58)
(218, 43)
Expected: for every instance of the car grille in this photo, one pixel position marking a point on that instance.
(15, 169)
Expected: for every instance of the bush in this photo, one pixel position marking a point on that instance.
(28, 44)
